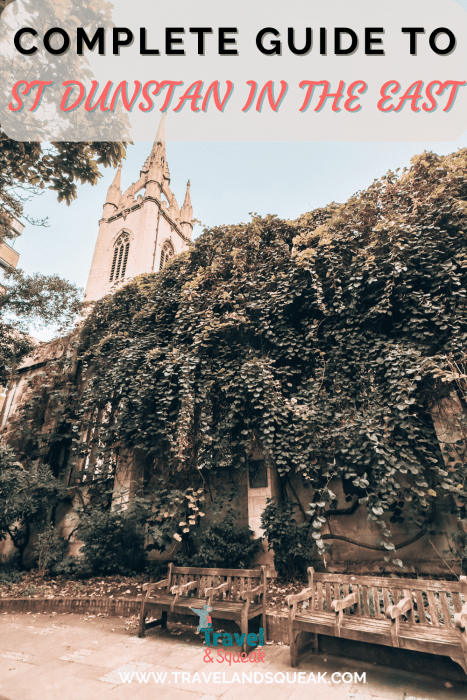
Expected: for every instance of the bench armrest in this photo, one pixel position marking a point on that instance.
(190, 586)
(306, 594)
(177, 590)
(216, 590)
(347, 602)
(460, 619)
(248, 595)
(394, 611)
(338, 606)
(148, 587)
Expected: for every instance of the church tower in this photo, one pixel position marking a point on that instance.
(140, 233)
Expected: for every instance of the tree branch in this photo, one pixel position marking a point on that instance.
(401, 545)
(302, 510)
(344, 511)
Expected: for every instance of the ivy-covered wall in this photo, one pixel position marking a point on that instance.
(332, 346)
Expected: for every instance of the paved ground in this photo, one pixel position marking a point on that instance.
(71, 657)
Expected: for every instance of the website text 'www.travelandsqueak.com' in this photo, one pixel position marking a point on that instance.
(254, 677)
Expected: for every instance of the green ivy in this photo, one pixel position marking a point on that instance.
(224, 545)
(291, 541)
(318, 341)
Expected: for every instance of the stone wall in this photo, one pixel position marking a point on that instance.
(428, 554)
(358, 550)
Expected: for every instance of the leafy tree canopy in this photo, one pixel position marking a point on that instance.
(28, 300)
(27, 494)
(26, 169)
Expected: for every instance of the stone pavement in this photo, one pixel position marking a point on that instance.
(76, 657)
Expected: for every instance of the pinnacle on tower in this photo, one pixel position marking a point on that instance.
(160, 136)
(114, 192)
(173, 208)
(157, 156)
(187, 209)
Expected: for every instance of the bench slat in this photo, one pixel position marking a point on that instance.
(386, 599)
(433, 608)
(445, 609)
(410, 614)
(358, 608)
(366, 608)
(328, 595)
(457, 602)
(396, 594)
(320, 600)
(375, 595)
(243, 584)
(236, 588)
(335, 592)
(420, 608)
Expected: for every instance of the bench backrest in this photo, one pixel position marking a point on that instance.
(239, 580)
(433, 602)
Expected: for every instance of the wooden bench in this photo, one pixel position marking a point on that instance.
(428, 616)
(233, 594)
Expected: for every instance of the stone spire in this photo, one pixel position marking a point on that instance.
(160, 136)
(158, 148)
(114, 192)
(155, 169)
(187, 209)
(157, 159)
(187, 214)
(115, 186)
(174, 210)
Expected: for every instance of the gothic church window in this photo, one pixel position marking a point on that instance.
(120, 257)
(167, 253)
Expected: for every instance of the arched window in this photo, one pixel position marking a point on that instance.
(120, 257)
(167, 253)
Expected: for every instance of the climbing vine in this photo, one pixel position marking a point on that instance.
(322, 342)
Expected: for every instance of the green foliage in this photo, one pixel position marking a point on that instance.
(168, 513)
(51, 549)
(9, 571)
(224, 545)
(72, 567)
(113, 542)
(457, 543)
(30, 590)
(291, 541)
(27, 168)
(157, 518)
(28, 302)
(28, 492)
(319, 342)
